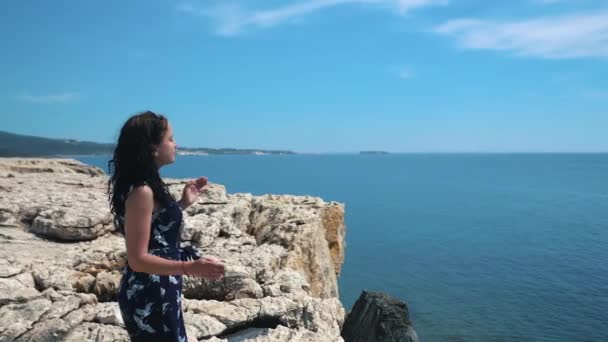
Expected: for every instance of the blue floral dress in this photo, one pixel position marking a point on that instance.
(150, 304)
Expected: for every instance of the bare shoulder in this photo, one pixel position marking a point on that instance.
(141, 196)
(143, 189)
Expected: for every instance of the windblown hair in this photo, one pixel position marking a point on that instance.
(133, 162)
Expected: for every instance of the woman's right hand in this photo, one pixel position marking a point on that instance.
(206, 268)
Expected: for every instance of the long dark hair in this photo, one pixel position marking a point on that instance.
(133, 162)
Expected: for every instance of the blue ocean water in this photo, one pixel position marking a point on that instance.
(482, 247)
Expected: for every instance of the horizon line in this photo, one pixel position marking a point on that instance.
(346, 152)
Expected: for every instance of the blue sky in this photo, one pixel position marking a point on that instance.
(313, 75)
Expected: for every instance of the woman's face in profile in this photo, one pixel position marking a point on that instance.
(167, 149)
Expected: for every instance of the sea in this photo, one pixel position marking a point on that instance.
(481, 247)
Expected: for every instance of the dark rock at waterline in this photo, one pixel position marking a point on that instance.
(378, 317)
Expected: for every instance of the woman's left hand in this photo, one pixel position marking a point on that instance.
(192, 191)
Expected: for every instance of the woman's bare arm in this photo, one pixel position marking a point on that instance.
(138, 218)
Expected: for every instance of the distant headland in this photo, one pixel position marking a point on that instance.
(17, 145)
(373, 152)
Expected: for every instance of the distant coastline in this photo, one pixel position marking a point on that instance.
(185, 151)
(17, 145)
(373, 152)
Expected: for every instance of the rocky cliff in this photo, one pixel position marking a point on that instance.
(60, 260)
(379, 317)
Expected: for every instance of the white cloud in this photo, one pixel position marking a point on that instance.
(186, 7)
(54, 98)
(401, 72)
(404, 6)
(601, 94)
(405, 74)
(568, 36)
(233, 19)
(546, 2)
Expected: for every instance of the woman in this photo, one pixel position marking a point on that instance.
(151, 220)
